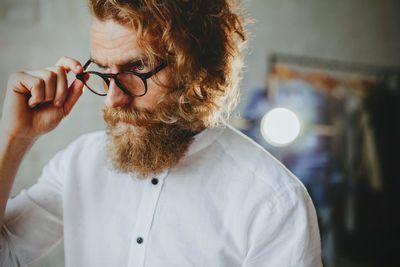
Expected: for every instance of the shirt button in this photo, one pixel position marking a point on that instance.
(154, 181)
(139, 240)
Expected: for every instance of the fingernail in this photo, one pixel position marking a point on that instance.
(78, 67)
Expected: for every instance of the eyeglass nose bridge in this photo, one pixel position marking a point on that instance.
(107, 76)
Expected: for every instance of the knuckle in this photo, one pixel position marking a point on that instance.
(49, 75)
(38, 83)
(22, 71)
(66, 59)
(17, 80)
(66, 62)
(59, 70)
(18, 75)
(59, 61)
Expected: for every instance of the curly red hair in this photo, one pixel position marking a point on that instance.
(202, 39)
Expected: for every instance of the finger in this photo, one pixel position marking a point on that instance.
(50, 80)
(22, 83)
(61, 85)
(74, 92)
(70, 64)
(25, 84)
(32, 84)
(37, 96)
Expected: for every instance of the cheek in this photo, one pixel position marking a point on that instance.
(161, 81)
(155, 91)
(156, 88)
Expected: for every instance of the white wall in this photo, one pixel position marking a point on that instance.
(363, 31)
(35, 33)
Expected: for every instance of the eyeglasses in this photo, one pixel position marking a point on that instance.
(130, 82)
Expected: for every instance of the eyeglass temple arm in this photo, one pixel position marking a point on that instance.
(87, 64)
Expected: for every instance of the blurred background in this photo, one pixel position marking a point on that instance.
(320, 92)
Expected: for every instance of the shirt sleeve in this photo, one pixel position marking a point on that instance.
(33, 219)
(285, 233)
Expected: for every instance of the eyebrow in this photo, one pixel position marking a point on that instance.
(124, 63)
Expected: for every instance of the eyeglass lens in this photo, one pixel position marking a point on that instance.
(128, 81)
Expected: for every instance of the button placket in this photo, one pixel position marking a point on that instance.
(144, 221)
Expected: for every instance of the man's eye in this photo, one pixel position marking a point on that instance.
(138, 67)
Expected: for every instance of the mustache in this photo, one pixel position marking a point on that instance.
(129, 115)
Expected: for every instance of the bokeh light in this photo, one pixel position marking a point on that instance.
(280, 127)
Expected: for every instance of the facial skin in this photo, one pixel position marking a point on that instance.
(113, 45)
(135, 146)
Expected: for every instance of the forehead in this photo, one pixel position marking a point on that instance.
(112, 43)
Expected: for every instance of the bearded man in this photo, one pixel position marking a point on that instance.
(168, 183)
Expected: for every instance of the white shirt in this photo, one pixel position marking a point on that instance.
(227, 203)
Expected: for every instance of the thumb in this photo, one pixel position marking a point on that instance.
(75, 91)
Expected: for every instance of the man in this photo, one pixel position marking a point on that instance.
(168, 183)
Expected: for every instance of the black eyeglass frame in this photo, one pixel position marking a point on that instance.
(107, 76)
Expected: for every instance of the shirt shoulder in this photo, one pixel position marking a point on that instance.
(259, 164)
(277, 198)
(87, 139)
(89, 143)
(85, 151)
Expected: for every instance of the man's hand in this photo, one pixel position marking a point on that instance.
(35, 103)
(37, 100)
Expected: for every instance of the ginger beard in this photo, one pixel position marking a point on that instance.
(137, 144)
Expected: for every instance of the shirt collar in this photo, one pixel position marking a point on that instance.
(201, 141)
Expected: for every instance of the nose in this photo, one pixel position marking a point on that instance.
(116, 97)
